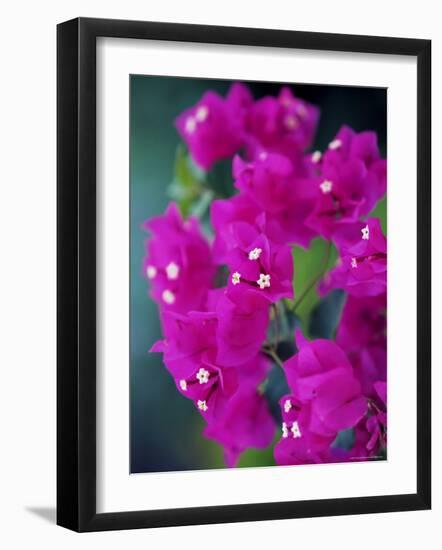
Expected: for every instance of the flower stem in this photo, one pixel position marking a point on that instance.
(274, 356)
(315, 279)
(277, 328)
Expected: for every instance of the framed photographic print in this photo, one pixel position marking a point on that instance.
(243, 274)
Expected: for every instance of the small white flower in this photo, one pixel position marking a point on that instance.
(365, 233)
(201, 113)
(168, 296)
(263, 281)
(202, 405)
(326, 186)
(236, 278)
(255, 253)
(291, 122)
(335, 144)
(183, 385)
(287, 405)
(295, 430)
(354, 262)
(172, 271)
(151, 272)
(203, 376)
(190, 125)
(316, 156)
(285, 432)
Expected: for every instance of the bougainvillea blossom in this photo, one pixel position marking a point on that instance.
(178, 258)
(362, 270)
(221, 298)
(213, 129)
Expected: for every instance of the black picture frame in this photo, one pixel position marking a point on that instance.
(76, 274)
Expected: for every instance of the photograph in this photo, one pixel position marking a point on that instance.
(220, 322)
(258, 274)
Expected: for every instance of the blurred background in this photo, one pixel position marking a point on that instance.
(168, 438)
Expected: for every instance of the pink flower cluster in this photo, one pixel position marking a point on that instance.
(215, 338)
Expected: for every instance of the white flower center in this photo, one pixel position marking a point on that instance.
(203, 376)
(236, 278)
(168, 296)
(354, 262)
(263, 155)
(263, 281)
(172, 271)
(183, 385)
(316, 156)
(326, 186)
(365, 233)
(295, 430)
(335, 144)
(285, 432)
(151, 272)
(202, 405)
(255, 253)
(201, 113)
(291, 122)
(287, 405)
(190, 125)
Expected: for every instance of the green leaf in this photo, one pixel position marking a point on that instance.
(308, 266)
(273, 389)
(380, 211)
(201, 206)
(220, 178)
(344, 440)
(186, 172)
(326, 315)
(257, 457)
(281, 331)
(188, 184)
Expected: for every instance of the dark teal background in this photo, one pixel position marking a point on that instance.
(165, 428)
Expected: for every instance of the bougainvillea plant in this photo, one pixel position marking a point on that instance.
(220, 264)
